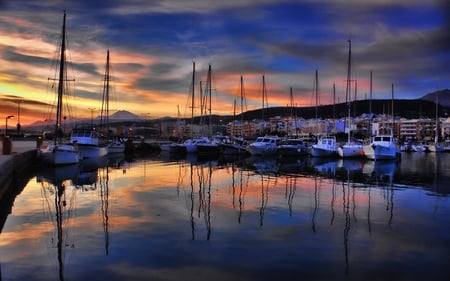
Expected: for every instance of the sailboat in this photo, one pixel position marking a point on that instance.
(436, 147)
(383, 145)
(115, 145)
(211, 147)
(89, 139)
(326, 145)
(236, 145)
(351, 148)
(191, 143)
(59, 153)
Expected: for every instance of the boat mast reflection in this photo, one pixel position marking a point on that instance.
(54, 181)
(204, 175)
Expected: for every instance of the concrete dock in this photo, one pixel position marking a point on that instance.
(23, 155)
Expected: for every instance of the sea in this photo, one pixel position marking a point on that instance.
(163, 217)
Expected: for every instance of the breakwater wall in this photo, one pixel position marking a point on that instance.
(15, 168)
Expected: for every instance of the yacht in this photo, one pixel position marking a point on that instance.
(382, 147)
(264, 145)
(325, 147)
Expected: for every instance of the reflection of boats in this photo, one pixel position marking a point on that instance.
(323, 166)
(56, 175)
(296, 166)
(89, 164)
(54, 182)
(350, 164)
(58, 153)
(262, 165)
(380, 171)
(204, 174)
(173, 148)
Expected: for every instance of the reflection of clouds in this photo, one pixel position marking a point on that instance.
(150, 230)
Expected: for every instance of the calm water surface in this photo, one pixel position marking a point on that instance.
(232, 219)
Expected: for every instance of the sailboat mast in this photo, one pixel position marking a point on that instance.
(370, 102)
(192, 104)
(62, 68)
(316, 86)
(436, 137)
(348, 86)
(104, 116)
(264, 96)
(108, 77)
(334, 101)
(392, 101)
(209, 97)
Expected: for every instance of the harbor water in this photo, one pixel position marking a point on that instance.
(166, 218)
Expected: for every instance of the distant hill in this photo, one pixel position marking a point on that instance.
(442, 95)
(124, 115)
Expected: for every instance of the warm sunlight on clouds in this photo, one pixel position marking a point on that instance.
(153, 46)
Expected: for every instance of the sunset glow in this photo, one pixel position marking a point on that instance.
(153, 46)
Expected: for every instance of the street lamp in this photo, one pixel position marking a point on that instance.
(18, 115)
(6, 124)
(92, 115)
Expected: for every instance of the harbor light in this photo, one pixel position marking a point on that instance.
(6, 124)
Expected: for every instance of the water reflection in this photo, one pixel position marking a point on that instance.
(63, 183)
(248, 218)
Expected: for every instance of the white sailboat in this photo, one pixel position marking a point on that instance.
(383, 145)
(351, 149)
(436, 146)
(326, 146)
(115, 144)
(191, 143)
(236, 145)
(57, 152)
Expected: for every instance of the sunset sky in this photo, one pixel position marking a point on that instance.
(153, 45)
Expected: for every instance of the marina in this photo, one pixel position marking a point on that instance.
(166, 216)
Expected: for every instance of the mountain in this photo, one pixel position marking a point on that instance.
(123, 115)
(443, 97)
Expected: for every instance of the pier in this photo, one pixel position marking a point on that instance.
(22, 157)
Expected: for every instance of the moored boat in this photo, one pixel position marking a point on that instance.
(58, 152)
(325, 147)
(264, 145)
(382, 147)
(292, 147)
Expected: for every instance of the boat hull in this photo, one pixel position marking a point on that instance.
(380, 152)
(88, 151)
(59, 155)
(291, 151)
(233, 149)
(263, 146)
(323, 152)
(116, 147)
(174, 148)
(350, 151)
(208, 149)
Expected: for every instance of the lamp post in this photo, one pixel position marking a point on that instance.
(92, 116)
(6, 124)
(18, 116)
